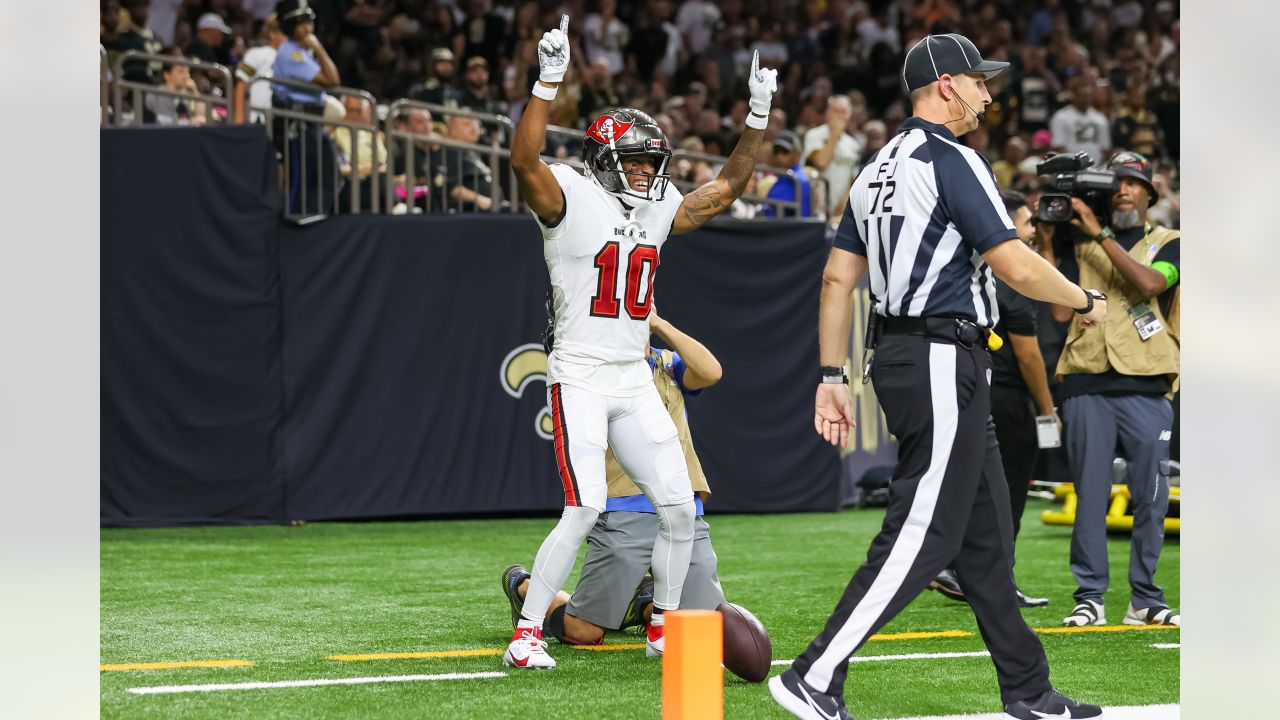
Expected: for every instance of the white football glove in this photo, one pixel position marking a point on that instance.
(553, 53)
(762, 82)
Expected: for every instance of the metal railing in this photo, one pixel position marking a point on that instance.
(420, 172)
(104, 86)
(317, 178)
(140, 92)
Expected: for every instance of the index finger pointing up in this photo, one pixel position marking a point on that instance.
(564, 24)
(755, 63)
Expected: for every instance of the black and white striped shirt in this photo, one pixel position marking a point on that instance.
(922, 212)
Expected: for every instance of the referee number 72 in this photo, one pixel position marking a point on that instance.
(881, 187)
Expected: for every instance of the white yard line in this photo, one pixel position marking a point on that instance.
(162, 689)
(908, 656)
(1167, 646)
(1141, 712)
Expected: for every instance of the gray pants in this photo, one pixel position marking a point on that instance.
(620, 552)
(1142, 425)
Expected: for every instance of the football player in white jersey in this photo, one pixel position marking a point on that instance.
(602, 235)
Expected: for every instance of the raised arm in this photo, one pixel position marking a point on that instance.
(537, 185)
(716, 196)
(702, 369)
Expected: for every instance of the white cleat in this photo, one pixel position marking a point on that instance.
(1151, 616)
(528, 650)
(1087, 612)
(655, 640)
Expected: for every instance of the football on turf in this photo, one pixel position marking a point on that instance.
(748, 652)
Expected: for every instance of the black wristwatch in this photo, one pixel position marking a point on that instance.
(1102, 236)
(832, 375)
(1092, 295)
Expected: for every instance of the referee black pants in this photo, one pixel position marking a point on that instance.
(948, 506)
(1014, 415)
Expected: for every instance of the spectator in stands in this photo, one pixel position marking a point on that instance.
(790, 187)
(424, 189)
(833, 153)
(439, 89)
(137, 36)
(1135, 120)
(598, 94)
(1036, 88)
(697, 20)
(258, 62)
(1006, 168)
(468, 178)
(477, 93)
(485, 32)
(213, 40)
(1079, 127)
(605, 36)
(361, 153)
(877, 135)
(176, 109)
(162, 19)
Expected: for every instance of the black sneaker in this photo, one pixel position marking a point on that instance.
(634, 616)
(800, 699)
(948, 584)
(1050, 704)
(1026, 601)
(511, 579)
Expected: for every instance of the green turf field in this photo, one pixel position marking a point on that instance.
(285, 599)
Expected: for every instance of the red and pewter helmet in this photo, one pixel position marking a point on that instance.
(618, 134)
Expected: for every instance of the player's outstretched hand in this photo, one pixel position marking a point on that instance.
(763, 83)
(553, 53)
(833, 413)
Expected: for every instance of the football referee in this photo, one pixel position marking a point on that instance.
(925, 218)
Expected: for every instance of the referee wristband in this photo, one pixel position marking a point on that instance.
(543, 92)
(832, 375)
(757, 122)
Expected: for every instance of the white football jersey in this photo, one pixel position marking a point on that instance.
(602, 258)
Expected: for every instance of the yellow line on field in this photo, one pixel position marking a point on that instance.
(1105, 628)
(179, 664)
(417, 655)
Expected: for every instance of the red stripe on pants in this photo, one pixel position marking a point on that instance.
(562, 449)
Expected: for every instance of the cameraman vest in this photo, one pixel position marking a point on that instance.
(1116, 343)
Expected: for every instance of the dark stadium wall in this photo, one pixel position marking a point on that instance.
(391, 366)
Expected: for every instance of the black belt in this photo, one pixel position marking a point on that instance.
(949, 329)
(285, 103)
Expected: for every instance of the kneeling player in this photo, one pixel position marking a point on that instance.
(614, 590)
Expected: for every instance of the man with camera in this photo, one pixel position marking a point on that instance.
(1117, 378)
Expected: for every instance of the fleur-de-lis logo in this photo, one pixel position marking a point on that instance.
(522, 366)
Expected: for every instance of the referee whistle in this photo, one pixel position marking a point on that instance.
(994, 342)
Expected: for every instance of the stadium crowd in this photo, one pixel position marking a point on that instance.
(1087, 75)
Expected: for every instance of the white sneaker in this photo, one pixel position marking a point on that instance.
(655, 641)
(528, 650)
(1086, 613)
(1158, 615)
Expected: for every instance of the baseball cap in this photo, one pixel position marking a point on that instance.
(937, 55)
(1134, 165)
(477, 60)
(441, 53)
(787, 140)
(213, 21)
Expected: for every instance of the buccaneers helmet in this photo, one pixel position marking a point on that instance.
(621, 133)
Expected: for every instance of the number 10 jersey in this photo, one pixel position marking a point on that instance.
(602, 258)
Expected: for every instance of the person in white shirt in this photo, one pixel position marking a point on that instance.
(1079, 127)
(258, 62)
(606, 36)
(833, 152)
(697, 20)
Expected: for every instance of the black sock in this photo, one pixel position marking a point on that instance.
(554, 624)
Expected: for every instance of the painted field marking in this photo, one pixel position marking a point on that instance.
(418, 655)
(922, 635)
(164, 689)
(1139, 712)
(1167, 646)
(607, 648)
(909, 656)
(177, 664)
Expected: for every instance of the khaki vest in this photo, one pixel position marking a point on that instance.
(1116, 343)
(620, 484)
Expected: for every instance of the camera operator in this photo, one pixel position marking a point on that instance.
(1117, 379)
